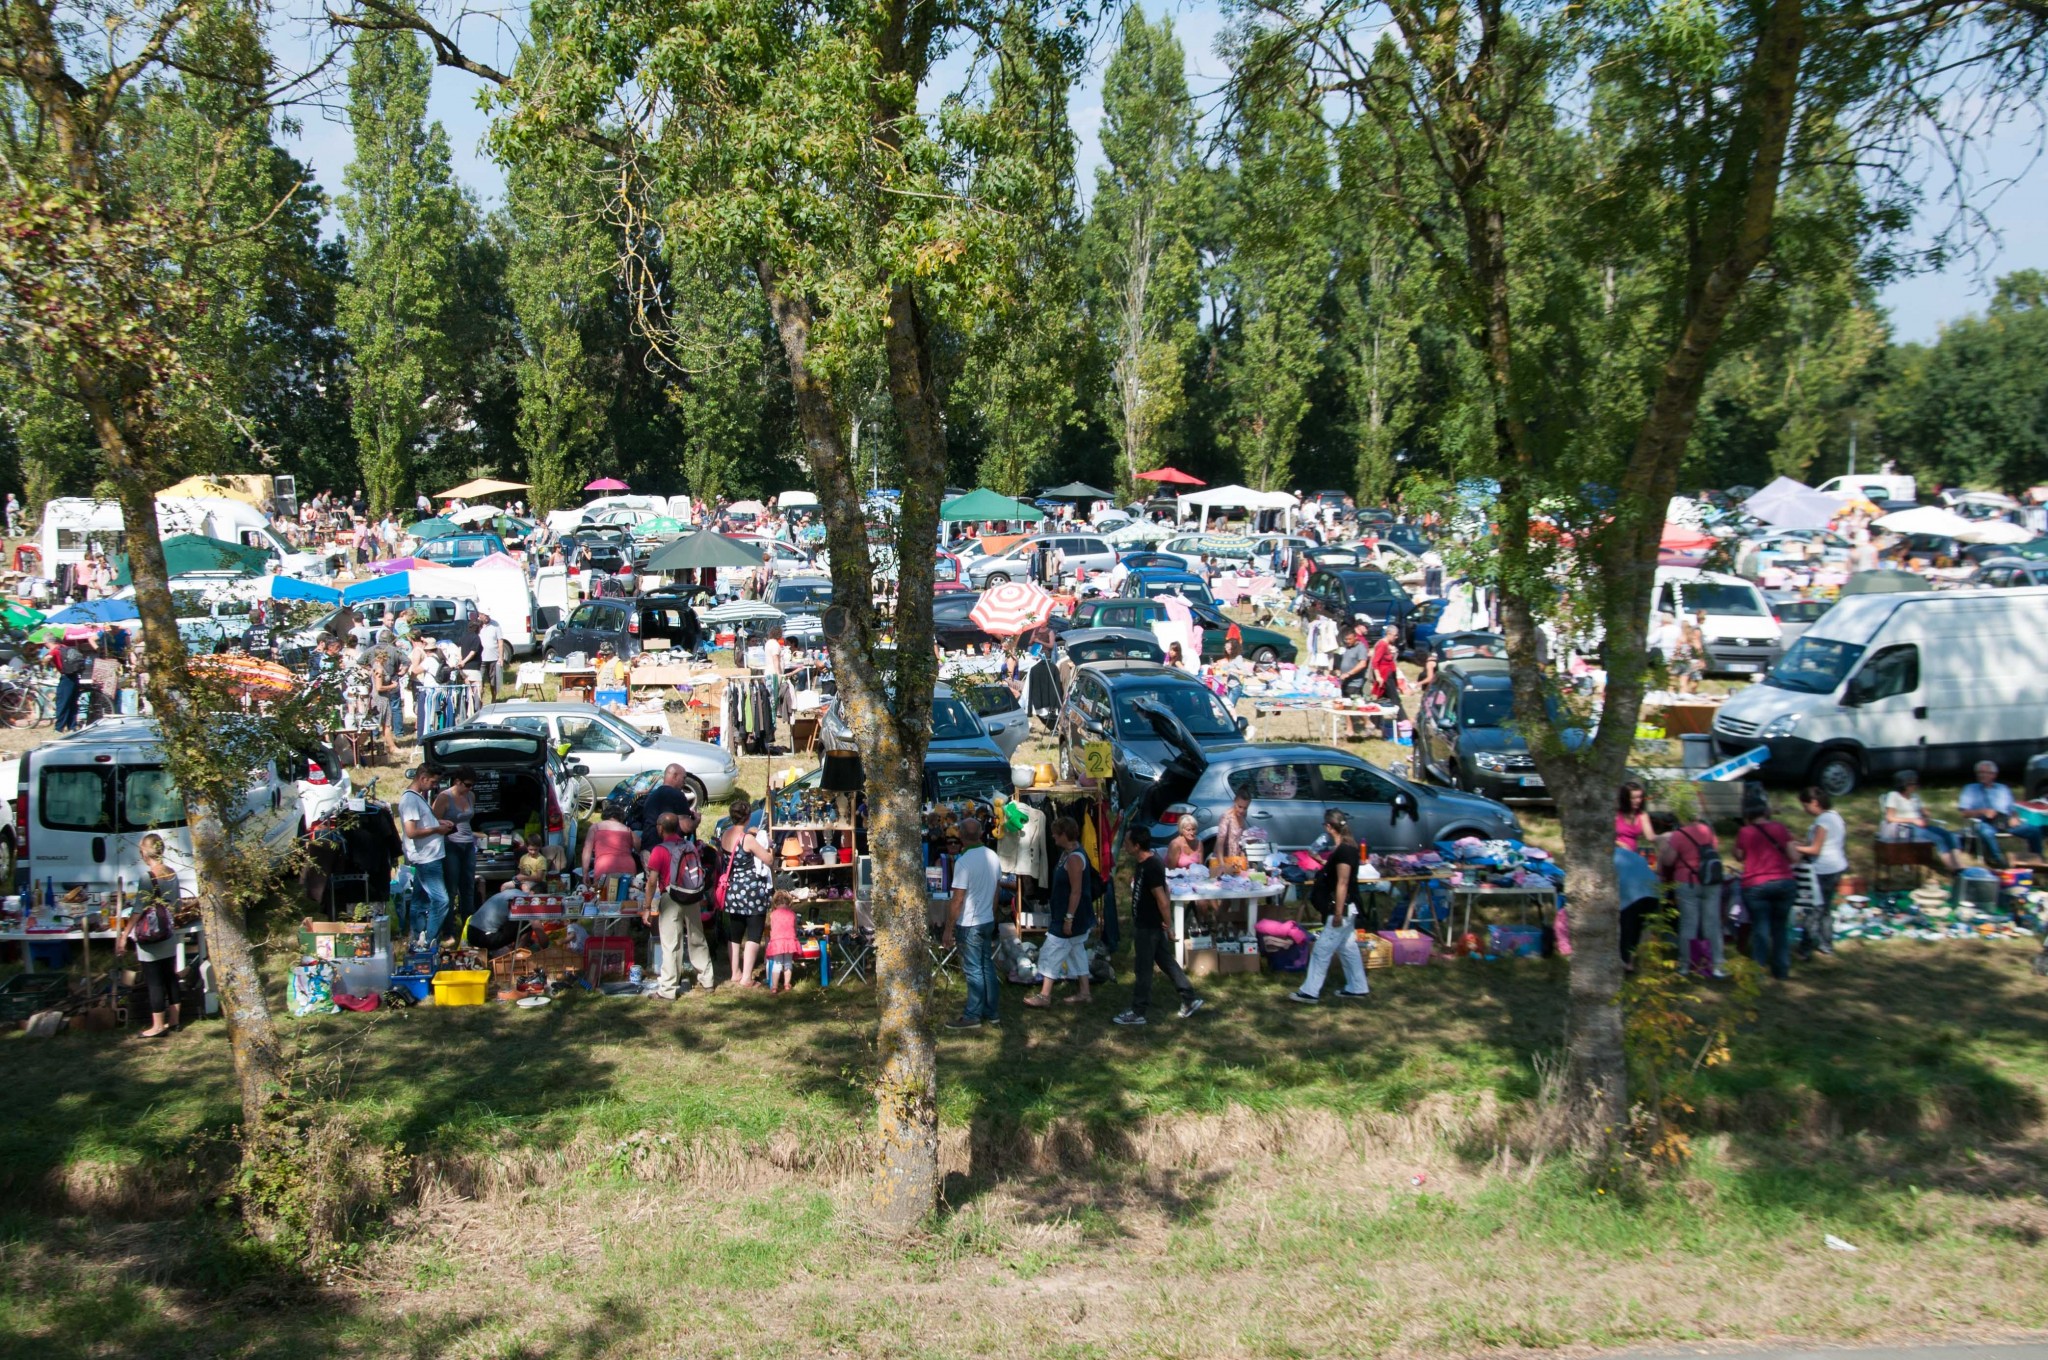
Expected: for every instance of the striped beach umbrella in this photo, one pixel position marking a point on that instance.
(1011, 608)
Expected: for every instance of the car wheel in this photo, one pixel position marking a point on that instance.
(1836, 772)
(693, 789)
(1266, 656)
(998, 578)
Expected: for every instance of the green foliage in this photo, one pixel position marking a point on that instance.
(560, 260)
(407, 223)
(1972, 408)
(1678, 1028)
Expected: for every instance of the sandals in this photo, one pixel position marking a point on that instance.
(1036, 1001)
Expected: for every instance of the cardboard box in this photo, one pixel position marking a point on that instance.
(1238, 963)
(1203, 963)
(333, 940)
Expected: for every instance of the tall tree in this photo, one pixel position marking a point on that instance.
(1140, 244)
(562, 258)
(1973, 408)
(1697, 117)
(785, 140)
(1276, 271)
(132, 212)
(406, 225)
(1381, 296)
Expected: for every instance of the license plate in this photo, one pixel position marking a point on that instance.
(1740, 667)
(1532, 781)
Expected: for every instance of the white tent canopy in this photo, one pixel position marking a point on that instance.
(1925, 519)
(1789, 504)
(1237, 498)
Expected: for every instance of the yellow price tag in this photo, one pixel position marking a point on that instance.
(1096, 760)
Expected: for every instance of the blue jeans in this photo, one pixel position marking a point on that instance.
(1987, 839)
(429, 901)
(1770, 915)
(67, 703)
(1338, 940)
(459, 867)
(978, 965)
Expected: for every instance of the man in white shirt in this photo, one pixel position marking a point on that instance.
(426, 845)
(491, 648)
(972, 921)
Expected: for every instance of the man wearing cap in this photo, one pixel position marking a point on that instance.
(426, 845)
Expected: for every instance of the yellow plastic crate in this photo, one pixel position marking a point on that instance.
(461, 987)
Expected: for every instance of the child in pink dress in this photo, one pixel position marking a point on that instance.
(782, 943)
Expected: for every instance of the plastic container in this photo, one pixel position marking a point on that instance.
(1697, 751)
(363, 977)
(461, 987)
(421, 985)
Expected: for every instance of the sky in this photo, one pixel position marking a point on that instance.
(2012, 233)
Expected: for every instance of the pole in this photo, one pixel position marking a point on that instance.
(1852, 446)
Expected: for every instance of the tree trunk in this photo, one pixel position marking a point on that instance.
(905, 1190)
(252, 1037)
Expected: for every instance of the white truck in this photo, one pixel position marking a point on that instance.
(1742, 635)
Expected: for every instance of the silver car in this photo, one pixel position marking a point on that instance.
(1090, 551)
(612, 749)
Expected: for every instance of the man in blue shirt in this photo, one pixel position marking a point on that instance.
(1988, 805)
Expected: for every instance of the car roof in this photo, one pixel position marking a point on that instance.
(1175, 574)
(1074, 635)
(1347, 573)
(812, 580)
(538, 706)
(1232, 754)
(1135, 671)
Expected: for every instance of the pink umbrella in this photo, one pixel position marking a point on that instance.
(605, 484)
(1011, 608)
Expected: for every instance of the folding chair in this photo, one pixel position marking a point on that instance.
(856, 955)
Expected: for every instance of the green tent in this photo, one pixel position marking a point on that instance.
(703, 549)
(1076, 491)
(981, 505)
(187, 553)
(19, 615)
(433, 528)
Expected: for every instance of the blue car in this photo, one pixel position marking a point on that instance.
(459, 550)
(1146, 583)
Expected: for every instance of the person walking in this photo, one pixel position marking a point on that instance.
(13, 516)
(491, 651)
(1827, 848)
(156, 957)
(676, 882)
(971, 922)
(426, 845)
(1151, 910)
(456, 806)
(1064, 955)
(1768, 886)
(1335, 895)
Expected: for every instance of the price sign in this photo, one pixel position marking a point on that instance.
(1096, 760)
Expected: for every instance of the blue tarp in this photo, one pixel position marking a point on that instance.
(95, 611)
(292, 588)
(395, 586)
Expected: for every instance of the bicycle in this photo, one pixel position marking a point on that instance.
(24, 703)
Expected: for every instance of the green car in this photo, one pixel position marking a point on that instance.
(1260, 644)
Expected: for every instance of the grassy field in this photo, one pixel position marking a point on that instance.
(626, 1178)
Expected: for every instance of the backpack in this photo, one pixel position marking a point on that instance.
(686, 872)
(1710, 871)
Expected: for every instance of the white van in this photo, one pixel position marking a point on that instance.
(87, 799)
(1895, 489)
(1741, 633)
(1931, 681)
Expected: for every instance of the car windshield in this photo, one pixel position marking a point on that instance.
(1200, 711)
(189, 604)
(1485, 707)
(601, 616)
(626, 730)
(1814, 665)
(1712, 597)
(979, 782)
(814, 595)
(1802, 611)
(1370, 586)
(951, 721)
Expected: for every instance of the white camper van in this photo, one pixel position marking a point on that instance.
(1932, 681)
(1741, 633)
(1894, 489)
(87, 799)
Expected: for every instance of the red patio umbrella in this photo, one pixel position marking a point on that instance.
(1174, 475)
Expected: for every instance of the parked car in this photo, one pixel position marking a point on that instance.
(1084, 646)
(1334, 558)
(659, 622)
(1000, 711)
(522, 781)
(1464, 733)
(1090, 552)
(459, 550)
(612, 749)
(2006, 573)
(1102, 703)
(1466, 646)
(1149, 582)
(2033, 550)
(1189, 549)
(1292, 785)
(1134, 561)
(801, 594)
(1795, 614)
(206, 616)
(1406, 537)
(948, 573)
(781, 559)
(954, 727)
(1357, 596)
(949, 776)
(952, 629)
(1263, 645)
(599, 547)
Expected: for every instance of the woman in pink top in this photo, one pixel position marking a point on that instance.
(610, 848)
(1768, 887)
(1632, 818)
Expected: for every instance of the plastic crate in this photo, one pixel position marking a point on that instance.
(461, 987)
(26, 993)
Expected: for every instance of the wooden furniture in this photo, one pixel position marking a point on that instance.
(1900, 866)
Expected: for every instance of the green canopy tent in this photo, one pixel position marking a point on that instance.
(19, 615)
(187, 553)
(1077, 491)
(981, 505)
(703, 549)
(433, 528)
(661, 526)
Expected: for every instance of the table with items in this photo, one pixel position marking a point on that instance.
(1235, 953)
